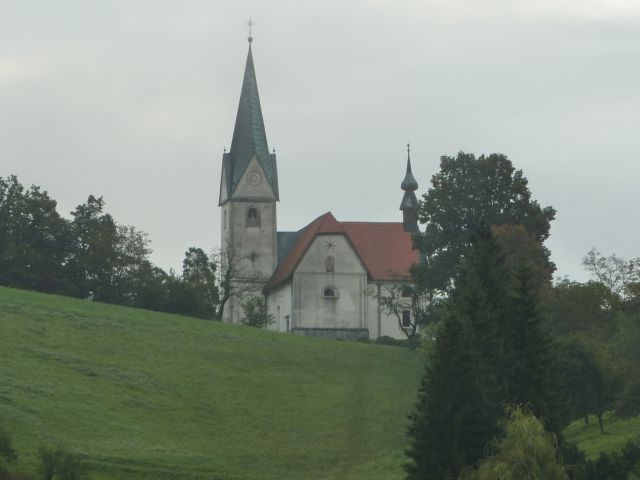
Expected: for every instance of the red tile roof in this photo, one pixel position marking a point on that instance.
(385, 248)
(288, 264)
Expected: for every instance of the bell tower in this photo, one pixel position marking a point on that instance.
(248, 194)
(409, 204)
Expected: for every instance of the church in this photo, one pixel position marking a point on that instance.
(327, 278)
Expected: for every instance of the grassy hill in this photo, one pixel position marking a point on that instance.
(152, 396)
(617, 432)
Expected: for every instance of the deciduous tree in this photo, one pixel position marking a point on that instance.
(526, 452)
(469, 194)
(620, 276)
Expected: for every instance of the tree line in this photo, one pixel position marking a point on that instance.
(91, 256)
(511, 353)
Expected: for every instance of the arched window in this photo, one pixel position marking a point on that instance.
(253, 217)
(225, 219)
(329, 292)
(330, 264)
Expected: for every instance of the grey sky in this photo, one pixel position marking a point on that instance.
(135, 100)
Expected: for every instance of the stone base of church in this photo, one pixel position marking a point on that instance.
(348, 334)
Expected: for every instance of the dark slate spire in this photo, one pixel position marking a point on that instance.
(249, 135)
(409, 204)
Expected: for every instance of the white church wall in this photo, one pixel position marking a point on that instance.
(373, 311)
(381, 323)
(390, 327)
(311, 308)
(279, 305)
(257, 245)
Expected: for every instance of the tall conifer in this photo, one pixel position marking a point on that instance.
(452, 420)
(491, 352)
(528, 356)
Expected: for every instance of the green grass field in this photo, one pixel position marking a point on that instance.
(154, 396)
(617, 433)
(144, 395)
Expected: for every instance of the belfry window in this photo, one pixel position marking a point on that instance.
(253, 217)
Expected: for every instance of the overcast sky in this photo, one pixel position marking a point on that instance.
(135, 100)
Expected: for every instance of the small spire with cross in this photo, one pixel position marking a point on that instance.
(250, 24)
(408, 148)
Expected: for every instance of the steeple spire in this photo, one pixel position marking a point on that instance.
(249, 136)
(409, 204)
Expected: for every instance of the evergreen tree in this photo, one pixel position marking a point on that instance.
(452, 420)
(480, 296)
(491, 352)
(529, 366)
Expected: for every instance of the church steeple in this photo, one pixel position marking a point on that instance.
(249, 193)
(409, 204)
(249, 136)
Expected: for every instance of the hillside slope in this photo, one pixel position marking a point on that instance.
(153, 396)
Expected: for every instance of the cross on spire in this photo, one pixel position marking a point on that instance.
(250, 24)
(408, 148)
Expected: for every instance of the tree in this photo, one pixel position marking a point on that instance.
(7, 454)
(467, 196)
(493, 331)
(398, 298)
(481, 296)
(60, 463)
(199, 277)
(234, 278)
(33, 238)
(453, 419)
(579, 308)
(521, 248)
(255, 312)
(105, 258)
(589, 386)
(93, 255)
(526, 452)
(618, 275)
(528, 358)
(627, 357)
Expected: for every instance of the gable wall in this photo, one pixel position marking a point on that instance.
(309, 308)
(246, 190)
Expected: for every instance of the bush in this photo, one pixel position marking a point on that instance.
(255, 312)
(7, 453)
(386, 340)
(60, 463)
(622, 465)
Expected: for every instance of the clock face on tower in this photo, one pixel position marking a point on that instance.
(253, 178)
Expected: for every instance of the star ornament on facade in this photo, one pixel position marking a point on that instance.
(330, 244)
